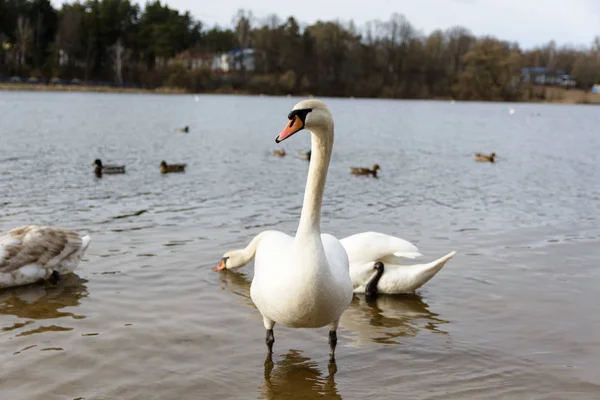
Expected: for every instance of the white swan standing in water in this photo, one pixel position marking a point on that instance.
(304, 281)
(375, 265)
(32, 253)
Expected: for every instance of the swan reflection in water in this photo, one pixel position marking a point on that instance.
(297, 376)
(43, 300)
(237, 283)
(388, 318)
(383, 320)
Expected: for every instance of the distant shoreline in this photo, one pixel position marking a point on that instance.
(41, 87)
(553, 95)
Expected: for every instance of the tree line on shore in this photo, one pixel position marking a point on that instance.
(119, 41)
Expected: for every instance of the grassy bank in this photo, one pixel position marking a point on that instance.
(85, 88)
(533, 94)
(544, 94)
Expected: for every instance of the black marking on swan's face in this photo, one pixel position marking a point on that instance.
(224, 260)
(300, 114)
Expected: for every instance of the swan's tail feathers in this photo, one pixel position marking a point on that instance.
(429, 270)
(447, 257)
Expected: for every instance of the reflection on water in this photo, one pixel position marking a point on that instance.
(161, 324)
(386, 318)
(296, 376)
(237, 283)
(43, 300)
(381, 320)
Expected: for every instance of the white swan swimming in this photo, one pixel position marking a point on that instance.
(375, 265)
(304, 281)
(32, 253)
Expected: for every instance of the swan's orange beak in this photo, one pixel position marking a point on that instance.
(221, 266)
(292, 127)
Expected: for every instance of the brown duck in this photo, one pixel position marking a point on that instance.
(480, 157)
(166, 168)
(279, 153)
(305, 155)
(365, 171)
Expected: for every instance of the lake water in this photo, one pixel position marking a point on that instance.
(514, 315)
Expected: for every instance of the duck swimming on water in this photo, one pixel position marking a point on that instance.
(305, 155)
(168, 168)
(480, 157)
(107, 169)
(365, 171)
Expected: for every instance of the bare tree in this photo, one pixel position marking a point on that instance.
(68, 36)
(24, 35)
(242, 22)
(119, 60)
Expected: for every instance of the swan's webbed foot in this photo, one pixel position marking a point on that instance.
(269, 340)
(54, 278)
(371, 288)
(332, 344)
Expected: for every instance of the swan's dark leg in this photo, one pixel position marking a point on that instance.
(332, 344)
(332, 367)
(269, 340)
(371, 289)
(54, 278)
(269, 365)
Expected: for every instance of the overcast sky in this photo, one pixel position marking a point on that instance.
(529, 22)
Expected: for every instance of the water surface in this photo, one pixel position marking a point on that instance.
(515, 314)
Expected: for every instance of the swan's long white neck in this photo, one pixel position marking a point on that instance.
(321, 146)
(240, 257)
(250, 250)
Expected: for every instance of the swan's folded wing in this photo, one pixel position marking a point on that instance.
(372, 246)
(39, 245)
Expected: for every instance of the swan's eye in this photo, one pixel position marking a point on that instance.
(300, 114)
